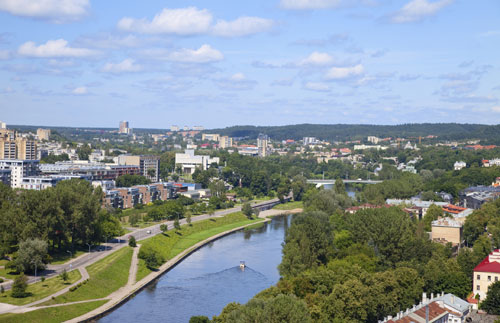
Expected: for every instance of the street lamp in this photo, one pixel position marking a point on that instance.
(70, 254)
(35, 263)
(89, 246)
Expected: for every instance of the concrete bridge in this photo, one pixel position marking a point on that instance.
(321, 182)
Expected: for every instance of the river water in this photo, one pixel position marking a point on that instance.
(210, 278)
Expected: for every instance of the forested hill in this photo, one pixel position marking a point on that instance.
(446, 131)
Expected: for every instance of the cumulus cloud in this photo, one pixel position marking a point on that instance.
(53, 48)
(318, 59)
(236, 82)
(418, 10)
(126, 66)
(242, 26)
(309, 4)
(338, 73)
(317, 86)
(204, 54)
(81, 90)
(58, 11)
(182, 21)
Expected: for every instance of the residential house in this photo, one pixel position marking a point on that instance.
(486, 273)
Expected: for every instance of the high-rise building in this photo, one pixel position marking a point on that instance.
(174, 128)
(19, 169)
(262, 142)
(210, 136)
(3, 125)
(14, 147)
(124, 129)
(225, 142)
(43, 134)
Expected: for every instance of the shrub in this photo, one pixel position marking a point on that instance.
(132, 242)
(152, 258)
(19, 286)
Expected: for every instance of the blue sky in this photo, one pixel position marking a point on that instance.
(263, 62)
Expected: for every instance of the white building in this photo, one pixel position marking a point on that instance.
(19, 169)
(363, 147)
(459, 165)
(3, 125)
(373, 139)
(262, 142)
(189, 161)
(309, 141)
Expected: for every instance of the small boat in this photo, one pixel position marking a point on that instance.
(242, 265)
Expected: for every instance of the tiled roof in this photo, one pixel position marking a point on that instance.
(488, 266)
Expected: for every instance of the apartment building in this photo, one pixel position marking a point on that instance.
(189, 161)
(124, 129)
(149, 166)
(262, 143)
(43, 134)
(14, 147)
(5, 176)
(19, 169)
(225, 142)
(486, 273)
(210, 136)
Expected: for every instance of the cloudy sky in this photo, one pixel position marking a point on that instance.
(264, 62)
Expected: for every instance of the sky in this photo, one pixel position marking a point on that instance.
(219, 63)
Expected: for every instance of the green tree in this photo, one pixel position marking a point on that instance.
(247, 210)
(131, 180)
(339, 187)
(433, 213)
(177, 224)
(64, 275)
(188, 218)
(31, 252)
(199, 319)
(492, 302)
(132, 242)
(19, 286)
(164, 228)
(151, 257)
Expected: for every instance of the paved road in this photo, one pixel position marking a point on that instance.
(120, 242)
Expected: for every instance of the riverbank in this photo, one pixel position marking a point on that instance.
(124, 294)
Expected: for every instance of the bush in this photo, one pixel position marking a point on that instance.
(199, 319)
(152, 258)
(64, 275)
(132, 242)
(1, 280)
(19, 286)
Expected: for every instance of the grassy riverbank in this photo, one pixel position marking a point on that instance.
(172, 243)
(52, 314)
(40, 289)
(106, 276)
(289, 206)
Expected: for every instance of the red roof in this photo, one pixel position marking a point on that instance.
(487, 266)
(450, 208)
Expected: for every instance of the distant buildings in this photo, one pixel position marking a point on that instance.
(447, 230)
(3, 125)
(225, 142)
(376, 147)
(210, 136)
(459, 165)
(175, 128)
(262, 143)
(14, 147)
(486, 273)
(474, 197)
(124, 128)
(373, 139)
(189, 161)
(309, 141)
(18, 170)
(491, 162)
(43, 134)
(198, 128)
(149, 166)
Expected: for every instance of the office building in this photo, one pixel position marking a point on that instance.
(149, 165)
(189, 161)
(124, 128)
(262, 142)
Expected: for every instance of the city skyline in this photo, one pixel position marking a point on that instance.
(217, 64)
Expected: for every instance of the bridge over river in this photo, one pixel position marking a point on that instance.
(320, 182)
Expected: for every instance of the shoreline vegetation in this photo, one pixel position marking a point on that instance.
(171, 246)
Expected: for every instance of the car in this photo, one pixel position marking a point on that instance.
(148, 232)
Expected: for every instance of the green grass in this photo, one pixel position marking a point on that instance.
(52, 314)
(106, 276)
(63, 257)
(41, 290)
(289, 206)
(3, 262)
(171, 244)
(8, 273)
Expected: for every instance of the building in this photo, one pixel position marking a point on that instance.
(474, 197)
(198, 128)
(39, 183)
(124, 128)
(19, 169)
(174, 128)
(225, 142)
(373, 139)
(149, 165)
(3, 125)
(447, 230)
(309, 141)
(376, 147)
(210, 136)
(262, 142)
(43, 134)
(93, 171)
(459, 165)
(486, 273)
(14, 147)
(189, 161)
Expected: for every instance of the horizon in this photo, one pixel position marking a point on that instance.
(276, 62)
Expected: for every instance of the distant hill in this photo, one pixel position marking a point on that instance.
(341, 132)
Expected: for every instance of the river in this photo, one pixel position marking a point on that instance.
(210, 278)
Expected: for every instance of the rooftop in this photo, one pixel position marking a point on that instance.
(490, 264)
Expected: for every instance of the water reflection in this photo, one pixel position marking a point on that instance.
(210, 278)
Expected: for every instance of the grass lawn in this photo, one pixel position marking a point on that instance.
(62, 257)
(106, 276)
(8, 273)
(40, 290)
(171, 244)
(53, 314)
(289, 206)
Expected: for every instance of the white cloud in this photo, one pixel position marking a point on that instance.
(183, 21)
(496, 109)
(55, 10)
(242, 26)
(204, 54)
(81, 90)
(53, 48)
(336, 73)
(309, 4)
(125, 66)
(417, 10)
(238, 82)
(317, 86)
(318, 59)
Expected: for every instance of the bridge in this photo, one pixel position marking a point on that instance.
(320, 182)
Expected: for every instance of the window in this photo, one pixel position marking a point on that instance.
(489, 278)
(496, 278)
(478, 277)
(478, 287)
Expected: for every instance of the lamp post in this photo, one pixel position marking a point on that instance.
(88, 244)
(35, 263)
